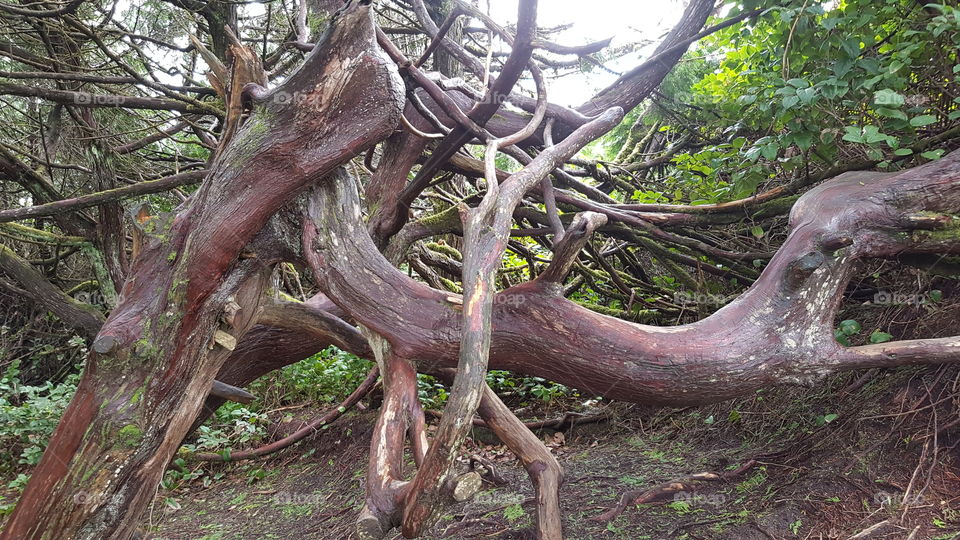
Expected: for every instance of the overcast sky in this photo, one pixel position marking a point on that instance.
(625, 21)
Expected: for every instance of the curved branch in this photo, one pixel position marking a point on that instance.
(302, 433)
(76, 314)
(100, 197)
(86, 99)
(67, 9)
(779, 331)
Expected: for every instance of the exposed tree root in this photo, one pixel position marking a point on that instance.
(400, 417)
(670, 489)
(153, 362)
(544, 471)
(301, 433)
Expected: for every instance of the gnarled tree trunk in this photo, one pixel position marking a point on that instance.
(156, 356)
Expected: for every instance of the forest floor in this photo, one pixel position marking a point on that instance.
(833, 461)
(860, 455)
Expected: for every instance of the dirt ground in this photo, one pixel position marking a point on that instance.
(861, 455)
(818, 475)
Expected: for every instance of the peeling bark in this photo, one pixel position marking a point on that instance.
(155, 359)
(778, 331)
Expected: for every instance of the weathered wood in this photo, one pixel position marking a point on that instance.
(231, 393)
(136, 401)
(779, 331)
(544, 470)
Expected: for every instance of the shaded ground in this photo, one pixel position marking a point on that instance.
(860, 455)
(863, 467)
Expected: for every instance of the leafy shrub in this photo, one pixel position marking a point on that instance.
(232, 426)
(326, 377)
(28, 416)
(434, 394)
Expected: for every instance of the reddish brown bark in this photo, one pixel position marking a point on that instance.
(541, 466)
(155, 359)
(779, 331)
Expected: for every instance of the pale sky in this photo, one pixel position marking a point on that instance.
(626, 21)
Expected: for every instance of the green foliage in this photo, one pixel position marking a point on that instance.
(807, 84)
(526, 388)
(513, 512)
(680, 507)
(846, 329)
(434, 394)
(826, 419)
(232, 426)
(28, 416)
(326, 377)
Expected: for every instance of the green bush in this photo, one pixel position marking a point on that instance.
(326, 377)
(28, 416)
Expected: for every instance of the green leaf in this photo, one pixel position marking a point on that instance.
(892, 113)
(923, 120)
(807, 95)
(851, 46)
(842, 66)
(936, 295)
(850, 327)
(903, 151)
(513, 512)
(757, 231)
(734, 416)
(803, 139)
(889, 98)
(827, 418)
(880, 337)
(852, 134)
(872, 134)
(933, 154)
(769, 151)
